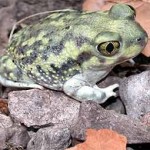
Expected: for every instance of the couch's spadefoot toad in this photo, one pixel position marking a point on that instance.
(72, 51)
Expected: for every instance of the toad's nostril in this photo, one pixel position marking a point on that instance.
(138, 39)
(141, 40)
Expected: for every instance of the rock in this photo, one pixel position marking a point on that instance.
(135, 93)
(40, 107)
(13, 138)
(11, 134)
(7, 19)
(18, 136)
(5, 121)
(3, 137)
(146, 119)
(116, 105)
(50, 138)
(109, 81)
(94, 116)
(4, 3)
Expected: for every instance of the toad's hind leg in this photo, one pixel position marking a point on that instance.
(12, 76)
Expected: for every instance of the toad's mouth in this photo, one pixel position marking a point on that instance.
(124, 59)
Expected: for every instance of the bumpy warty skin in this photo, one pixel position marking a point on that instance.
(69, 46)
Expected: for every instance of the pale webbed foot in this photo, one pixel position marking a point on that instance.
(9, 83)
(79, 90)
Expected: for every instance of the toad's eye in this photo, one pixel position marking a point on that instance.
(109, 48)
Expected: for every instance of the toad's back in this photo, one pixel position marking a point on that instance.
(53, 50)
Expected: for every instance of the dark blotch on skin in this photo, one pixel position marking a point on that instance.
(18, 73)
(84, 56)
(33, 55)
(36, 44)
(49, 34)
(41, 71)
(54, 67)
(67, 65)
(30, 59)
(57, 49)
(64, 67)
(45, 54)
(38, 68)
(26, 60)
(22, 49)
(67, 27)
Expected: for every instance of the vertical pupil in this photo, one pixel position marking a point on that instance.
(110, 47)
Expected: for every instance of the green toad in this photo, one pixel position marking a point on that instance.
(73, 50)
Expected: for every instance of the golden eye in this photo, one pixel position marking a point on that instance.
(109, 48)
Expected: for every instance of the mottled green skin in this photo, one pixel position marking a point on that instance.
(64, 44)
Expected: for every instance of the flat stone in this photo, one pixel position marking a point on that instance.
(39, 107)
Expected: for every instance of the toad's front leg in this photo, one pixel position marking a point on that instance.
(82, 91)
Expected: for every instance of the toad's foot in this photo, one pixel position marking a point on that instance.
(79, 90)
(109, 91)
